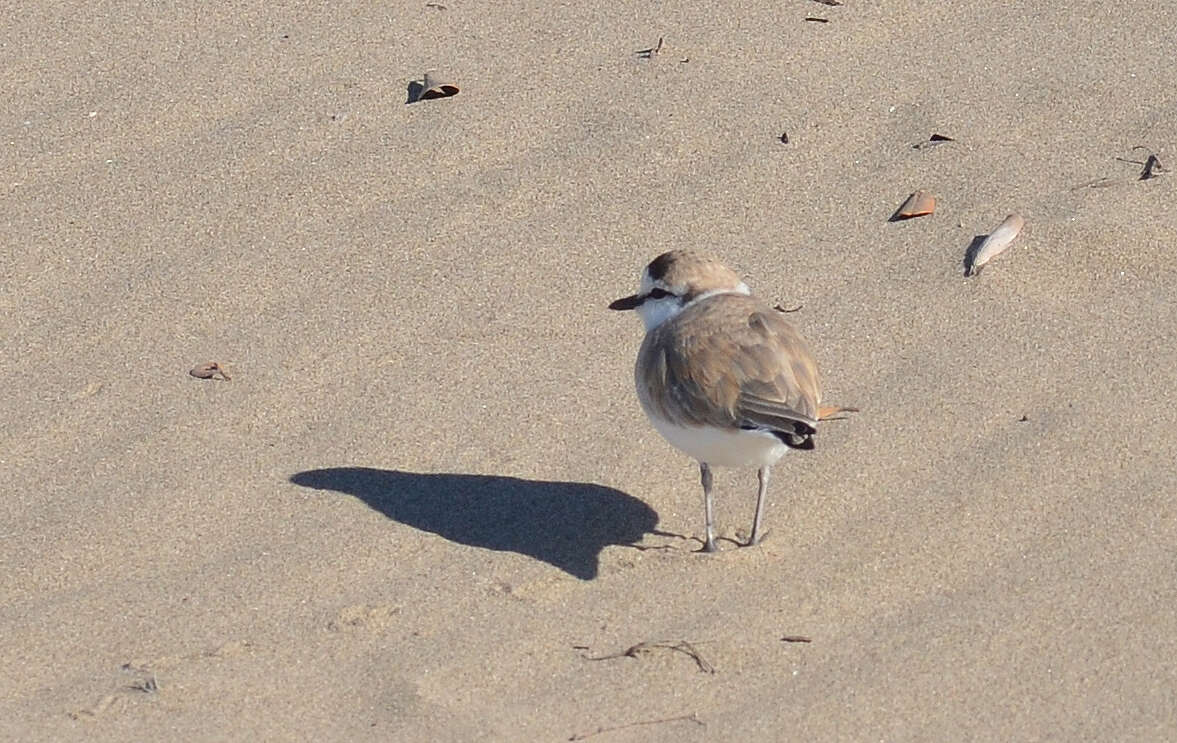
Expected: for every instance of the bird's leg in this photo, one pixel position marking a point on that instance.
(762, 475)
(708, 512)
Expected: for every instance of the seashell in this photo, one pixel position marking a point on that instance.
(431, 87)
(993, 245)
(209, 371)
(917, 205)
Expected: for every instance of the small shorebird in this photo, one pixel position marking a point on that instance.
(720, 374)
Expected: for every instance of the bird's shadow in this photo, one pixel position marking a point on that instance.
(565, 524)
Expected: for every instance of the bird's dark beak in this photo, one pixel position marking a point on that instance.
(627, 303)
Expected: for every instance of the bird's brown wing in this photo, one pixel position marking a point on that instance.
(731, 361)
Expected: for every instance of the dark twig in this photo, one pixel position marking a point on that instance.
(1152, 163)
(147, 685)
(682, 646)
(1151, 166)
(1102, 182)
(686, 718)
(796, 638)
(649, 53)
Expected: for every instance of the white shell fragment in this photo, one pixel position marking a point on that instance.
(997, 241)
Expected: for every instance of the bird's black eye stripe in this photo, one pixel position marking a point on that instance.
(658, 294)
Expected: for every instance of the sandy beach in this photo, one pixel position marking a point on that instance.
(426, 505)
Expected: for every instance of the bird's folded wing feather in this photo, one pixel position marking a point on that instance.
(748, 368)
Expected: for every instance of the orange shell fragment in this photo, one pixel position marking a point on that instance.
(917, 205)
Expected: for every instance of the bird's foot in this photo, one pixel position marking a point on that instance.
(757, 538)
(709, 545)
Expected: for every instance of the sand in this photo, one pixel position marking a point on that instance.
(427, 499)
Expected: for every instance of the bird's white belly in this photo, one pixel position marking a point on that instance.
(721, 447)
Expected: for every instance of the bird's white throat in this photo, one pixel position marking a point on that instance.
(654, 312)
